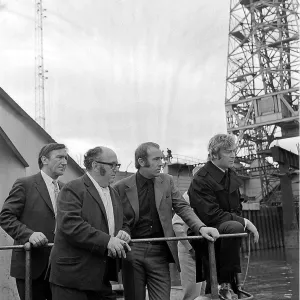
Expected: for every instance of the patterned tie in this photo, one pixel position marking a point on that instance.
(56, 191)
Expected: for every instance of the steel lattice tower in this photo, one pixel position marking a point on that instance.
(263, 72)
(262, 92)
(39, 65)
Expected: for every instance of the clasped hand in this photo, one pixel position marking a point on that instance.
(209, 233)
(118, 246)
(38, 239)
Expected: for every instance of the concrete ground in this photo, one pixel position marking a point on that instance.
(176, 294)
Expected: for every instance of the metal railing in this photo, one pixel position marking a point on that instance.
(182, 159)
(211, 253)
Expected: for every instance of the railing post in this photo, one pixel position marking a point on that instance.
(28, 281)
(213, 271)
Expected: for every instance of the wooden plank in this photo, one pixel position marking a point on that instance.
(271, 217)
(253, 219)
(266, 228)
(280, 215)
(278, 227)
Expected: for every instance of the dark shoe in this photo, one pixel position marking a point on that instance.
(226, 293)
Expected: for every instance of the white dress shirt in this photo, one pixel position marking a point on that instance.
(104, 194)
(51, 189)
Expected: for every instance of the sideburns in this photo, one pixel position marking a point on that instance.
(102, 171)
(147, 164)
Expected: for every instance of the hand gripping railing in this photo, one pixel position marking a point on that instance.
(211, 252)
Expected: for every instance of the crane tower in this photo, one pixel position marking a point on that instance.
(262, 92)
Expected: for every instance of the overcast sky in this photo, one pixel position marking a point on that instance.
(122, 72)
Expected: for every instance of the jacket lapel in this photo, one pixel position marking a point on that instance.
(235, 182)
(158, 190)
(94, 193)
(41, 187)
(132, 196)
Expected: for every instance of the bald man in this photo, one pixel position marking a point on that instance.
(91, 232)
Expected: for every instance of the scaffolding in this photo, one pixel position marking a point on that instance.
(262, 83)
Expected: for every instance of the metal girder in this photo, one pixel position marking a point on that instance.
(262, 82)
(283, 156)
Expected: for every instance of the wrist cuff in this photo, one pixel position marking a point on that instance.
(201, 227)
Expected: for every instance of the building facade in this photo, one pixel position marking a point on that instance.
(21, 139)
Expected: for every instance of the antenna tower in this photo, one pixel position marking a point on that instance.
(39, 65)
(262, 83)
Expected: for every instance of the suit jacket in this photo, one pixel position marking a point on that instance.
(28, 209)
(79, 256)
(167, 196)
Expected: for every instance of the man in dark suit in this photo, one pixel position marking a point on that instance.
(28, 215)
(91, 231)
(214, 195)
(148, 198)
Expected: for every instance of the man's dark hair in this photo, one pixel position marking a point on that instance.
(142, 152)
(90, 156)
(47, 149)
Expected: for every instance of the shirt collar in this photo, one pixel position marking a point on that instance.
(216, 172)
(48, 180)
(96, 184)
(141, 180)
(218, 167)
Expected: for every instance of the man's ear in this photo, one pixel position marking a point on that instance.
(141, 162)
(44, 160)
(94, 164)
(216, 155)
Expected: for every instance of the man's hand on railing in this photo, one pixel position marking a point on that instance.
(117, 247)
(209, 233)
(38, 239)
(123, 235)
(251, 227)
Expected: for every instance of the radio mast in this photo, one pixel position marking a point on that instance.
(39, 65)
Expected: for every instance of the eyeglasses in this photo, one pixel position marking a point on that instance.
(112, 165)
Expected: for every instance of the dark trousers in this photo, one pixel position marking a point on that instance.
(64, 293)
(147, 265)
(40, 288)
(228, 252)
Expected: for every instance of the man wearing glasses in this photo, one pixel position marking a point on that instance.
(148, 198)
(91, 232)
(215, 197)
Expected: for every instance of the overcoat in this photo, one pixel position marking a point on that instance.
(215, 198)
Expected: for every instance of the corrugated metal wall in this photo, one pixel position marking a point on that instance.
(269, 223)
